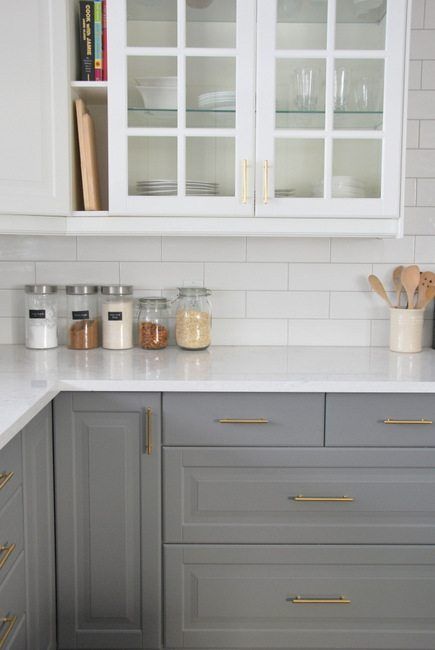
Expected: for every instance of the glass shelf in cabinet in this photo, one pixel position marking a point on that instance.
(162, 11)
(347, 13)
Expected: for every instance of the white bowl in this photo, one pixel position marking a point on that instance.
(158, 82)
(155, 98)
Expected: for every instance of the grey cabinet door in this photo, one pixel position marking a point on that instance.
(250, 597)
(108, 520)
(37, 443)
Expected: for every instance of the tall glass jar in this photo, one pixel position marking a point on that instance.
(83, 317)
(41, 316)
(153, 323)
(193, 318)
(117, 316)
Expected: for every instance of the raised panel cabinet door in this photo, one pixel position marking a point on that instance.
(34, 110)
(37, 441)
(107, 459)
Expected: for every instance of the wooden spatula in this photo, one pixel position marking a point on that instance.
(397, 282)
(410, 279)
(429, 295)
(427, 280)
(378, 287)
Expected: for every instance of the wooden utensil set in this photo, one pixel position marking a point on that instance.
(419, 287)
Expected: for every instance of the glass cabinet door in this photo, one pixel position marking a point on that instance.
(329, 107)
(181, 107)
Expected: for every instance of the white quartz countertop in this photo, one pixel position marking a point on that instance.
(29, 379)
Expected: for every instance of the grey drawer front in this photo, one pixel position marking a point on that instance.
(12, 601)
(240, 597)
(11, 533)
(10, 469)
(193, 419)
(242, 495)
(358, 420)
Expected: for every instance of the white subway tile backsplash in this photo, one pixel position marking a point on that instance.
(421, 104)
(420, 163)
(372, 250)
(426, 192)
(423, 44)
(287, 304)
(248, 275)
(162, 275)
(13, 275)
(228, 304)
(425, 249)
(419, 221)
(417, 19)
(11, 303)
(428, 75)
(11, 330)
(34, 248)
(414, 80)
(204, 249)
(427, 134)
(412, 134)
(63, 273)
(358, 305)
(410, 192)
(329, 277)
(429, 21)
(128, 249)
(246, 331)
(273, 249)
(329, 332)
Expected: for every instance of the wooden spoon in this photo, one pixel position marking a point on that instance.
(428, 296)
(427, 280)
(397, 282)
(378, 288)
(410, 279)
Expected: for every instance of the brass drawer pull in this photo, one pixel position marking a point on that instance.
(422, 421)
(4, 478)
(343, 499)
(7, 550)
(300, 600)
(243, 421)
(149, 432)
(9, 622)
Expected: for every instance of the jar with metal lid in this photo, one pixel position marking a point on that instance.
(41, 316)
(117, 316)
(193, 318)
(83, 317)
(153, 323)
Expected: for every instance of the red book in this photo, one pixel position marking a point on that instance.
(104, 41)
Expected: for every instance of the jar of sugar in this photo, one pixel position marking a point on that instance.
(41, 316)
(117, 316)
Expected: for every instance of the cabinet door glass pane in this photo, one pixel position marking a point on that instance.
(210, 166)
(358, 94)
(299, 167)
(301, 24)
(357, 168)
(211, 23)
(211, 91)
(300, 93)
(152, 91)
(152, 23)
(152, 166)
(361, 24)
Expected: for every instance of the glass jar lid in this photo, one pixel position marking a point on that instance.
(81, 289)
(193, 292)
(40, 289)
(157, 302)
(117, 290)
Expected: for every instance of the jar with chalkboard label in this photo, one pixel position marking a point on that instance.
(41, 316)
(83, 317)
(117, 316)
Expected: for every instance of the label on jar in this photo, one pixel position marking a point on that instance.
(36, 313)
(80, 315)
(114, 315)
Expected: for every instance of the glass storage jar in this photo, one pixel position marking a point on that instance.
(83, 317)
(153, 323)
(193, 318)
(117, 316)
(41, 316)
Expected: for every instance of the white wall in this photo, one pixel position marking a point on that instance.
(265, 291)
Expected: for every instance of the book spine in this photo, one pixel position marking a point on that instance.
(98, 41)
(104, 40)
(87, 40)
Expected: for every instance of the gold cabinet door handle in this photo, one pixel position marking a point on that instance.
(4, 478)
(245, 181)
(422, 421)
(243, 421)
(149, 431)
(343, 499)
(5, 553)
(300, 600)
(266, 182)
(8, 622)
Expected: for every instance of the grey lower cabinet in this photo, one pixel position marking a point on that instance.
(108, 495)
(27, 574)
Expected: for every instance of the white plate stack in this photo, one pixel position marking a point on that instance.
(343, 187)
(167, 187)
(219, 100)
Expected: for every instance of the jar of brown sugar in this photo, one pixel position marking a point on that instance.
(153, 323)
(83, 319)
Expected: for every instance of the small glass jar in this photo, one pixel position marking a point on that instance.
(41, 316)
(83, 317)
(193, 318)
(153, 323)
(117, 316)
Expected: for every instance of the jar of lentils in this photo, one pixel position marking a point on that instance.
(153, 323)
(193, 318)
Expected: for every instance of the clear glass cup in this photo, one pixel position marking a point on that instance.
(193, 318)
(307, 88)
(341, 88)
(153, 323)
(41, 316)
(83, 317)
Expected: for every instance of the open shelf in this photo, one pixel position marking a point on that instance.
(92, 92)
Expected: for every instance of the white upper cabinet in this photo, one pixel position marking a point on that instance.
(34, 125)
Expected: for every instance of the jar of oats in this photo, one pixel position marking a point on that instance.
(193, 318)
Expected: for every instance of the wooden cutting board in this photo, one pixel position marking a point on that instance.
(88, 158)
